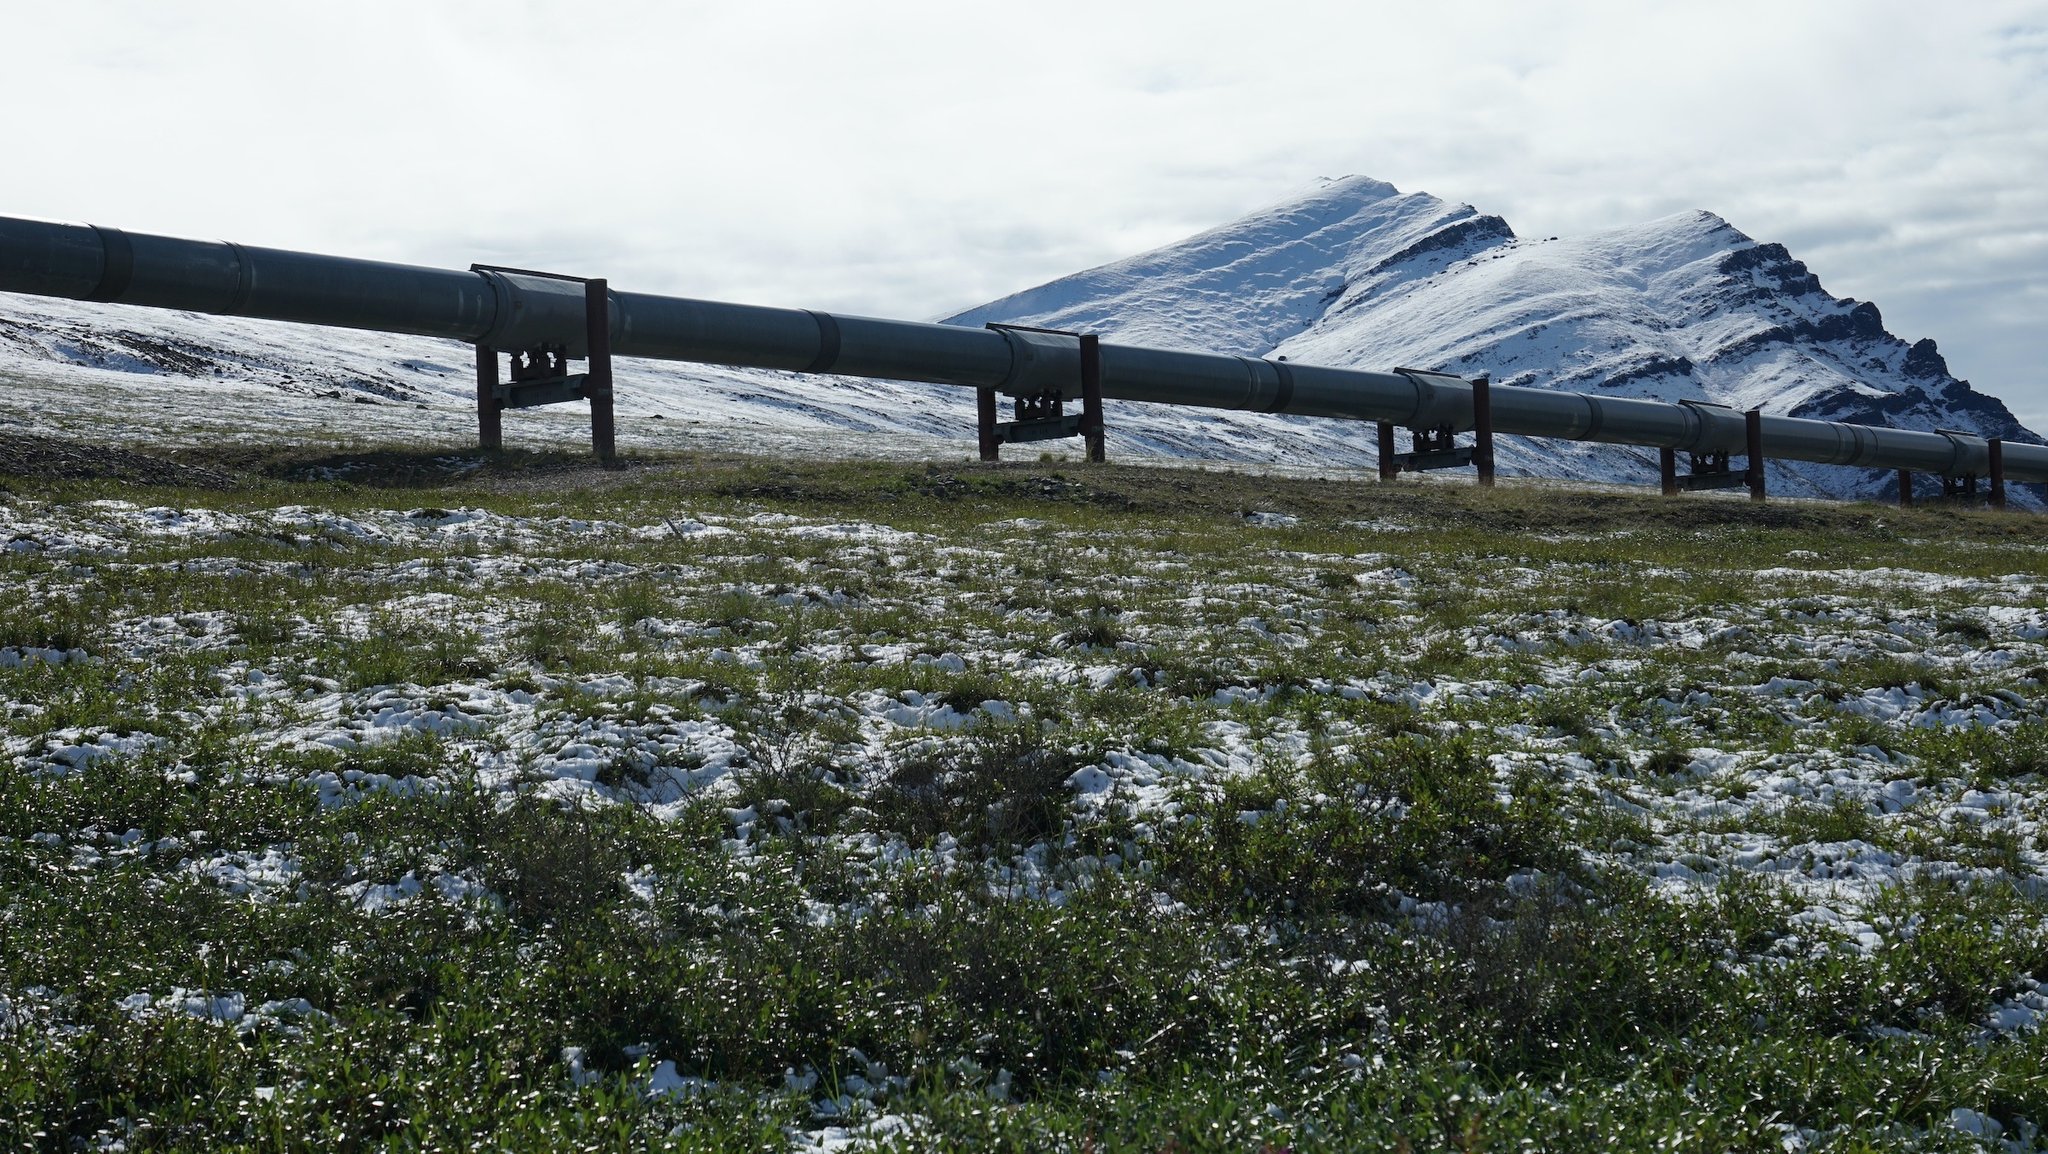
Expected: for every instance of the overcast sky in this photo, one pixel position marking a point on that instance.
(911, 159)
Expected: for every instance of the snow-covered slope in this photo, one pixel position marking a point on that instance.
(1249, 285)
(1352, 273)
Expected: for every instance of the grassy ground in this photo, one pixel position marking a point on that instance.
(402, 800)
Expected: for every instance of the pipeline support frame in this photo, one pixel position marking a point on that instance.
(1436, 447)
(1712, 470)
(540, 375)
(1963, 487)
(1042, 416)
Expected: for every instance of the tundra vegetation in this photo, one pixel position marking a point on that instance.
(372, 800)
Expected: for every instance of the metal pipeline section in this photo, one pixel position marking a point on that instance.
(508, 310)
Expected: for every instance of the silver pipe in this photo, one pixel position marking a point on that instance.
(510, 311)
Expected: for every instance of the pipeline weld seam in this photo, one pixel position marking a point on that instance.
(828, 343)
(117, 268)
(1284, 396)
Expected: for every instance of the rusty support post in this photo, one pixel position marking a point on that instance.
(1091, 396)
(1667, 470)
(597, 385)
(1997, 451)
(1905, 488)
(490, 422)
(1482, 428)
(1753, 428)
(1387, 466)
(985, 408)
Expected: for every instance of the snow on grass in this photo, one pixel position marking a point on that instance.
(879, 827)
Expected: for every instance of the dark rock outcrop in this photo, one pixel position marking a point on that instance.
(1477, 230)
(1923, 362)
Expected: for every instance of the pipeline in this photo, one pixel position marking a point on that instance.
(511, 310)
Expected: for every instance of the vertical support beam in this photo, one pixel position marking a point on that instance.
(1905, 488)
(1091, 396)
(1482, 428)
(1667, 470)
(1997, 450)
(490, 423)
(1753, 430)
(597, 385)
(1387, 466)
(985, 414)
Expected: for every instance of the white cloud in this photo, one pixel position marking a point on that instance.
(904, 158)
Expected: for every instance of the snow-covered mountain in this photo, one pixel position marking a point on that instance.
(1357, 273)
(1352, 273)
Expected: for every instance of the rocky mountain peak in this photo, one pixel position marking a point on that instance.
(1356, 273)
